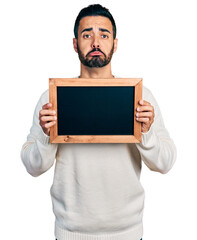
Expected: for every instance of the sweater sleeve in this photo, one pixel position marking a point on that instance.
(37, 153)
(157, 149)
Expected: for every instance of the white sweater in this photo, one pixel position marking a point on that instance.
(96, 191)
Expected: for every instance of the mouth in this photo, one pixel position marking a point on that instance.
(95, 52)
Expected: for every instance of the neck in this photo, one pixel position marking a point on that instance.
(104, 72)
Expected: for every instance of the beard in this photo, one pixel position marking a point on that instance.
(95, 61)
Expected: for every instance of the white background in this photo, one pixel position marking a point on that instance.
(158, 42)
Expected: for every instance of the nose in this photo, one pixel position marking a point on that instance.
(95, 42)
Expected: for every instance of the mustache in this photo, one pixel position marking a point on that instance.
(95, 50)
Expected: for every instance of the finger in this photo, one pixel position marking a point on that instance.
(49, 125)
(47, 112)
(144, 114)
(47, 106)
(143, 120)
(145, 108)
(48, 118)
(144, 103)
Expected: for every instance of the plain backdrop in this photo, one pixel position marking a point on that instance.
(158, 42)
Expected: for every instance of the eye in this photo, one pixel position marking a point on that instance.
(104, 36)
(86, 36)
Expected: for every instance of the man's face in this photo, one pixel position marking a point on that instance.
(95, 44)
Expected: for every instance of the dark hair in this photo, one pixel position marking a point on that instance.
(94, 10)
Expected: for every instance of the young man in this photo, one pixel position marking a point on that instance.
(96, 192)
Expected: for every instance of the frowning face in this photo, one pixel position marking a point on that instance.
(95, 44)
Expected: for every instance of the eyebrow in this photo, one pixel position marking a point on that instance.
(90, 29)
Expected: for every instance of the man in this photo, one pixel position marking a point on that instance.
(96, 192)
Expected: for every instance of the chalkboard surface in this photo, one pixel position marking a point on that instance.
(95, 110)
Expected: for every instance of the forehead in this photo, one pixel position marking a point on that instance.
(95, 21)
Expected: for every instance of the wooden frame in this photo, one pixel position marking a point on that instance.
(56, 82)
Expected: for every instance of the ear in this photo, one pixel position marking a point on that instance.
(115, 44)
(75, 44)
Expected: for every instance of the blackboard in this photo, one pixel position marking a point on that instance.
(95, 110)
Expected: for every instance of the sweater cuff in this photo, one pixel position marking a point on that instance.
(148, 138)
(43, 138)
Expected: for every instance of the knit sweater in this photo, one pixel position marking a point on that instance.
(96, 191)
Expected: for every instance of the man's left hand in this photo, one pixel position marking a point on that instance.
(145, 115)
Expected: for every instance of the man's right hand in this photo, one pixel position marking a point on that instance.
(47, 118)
